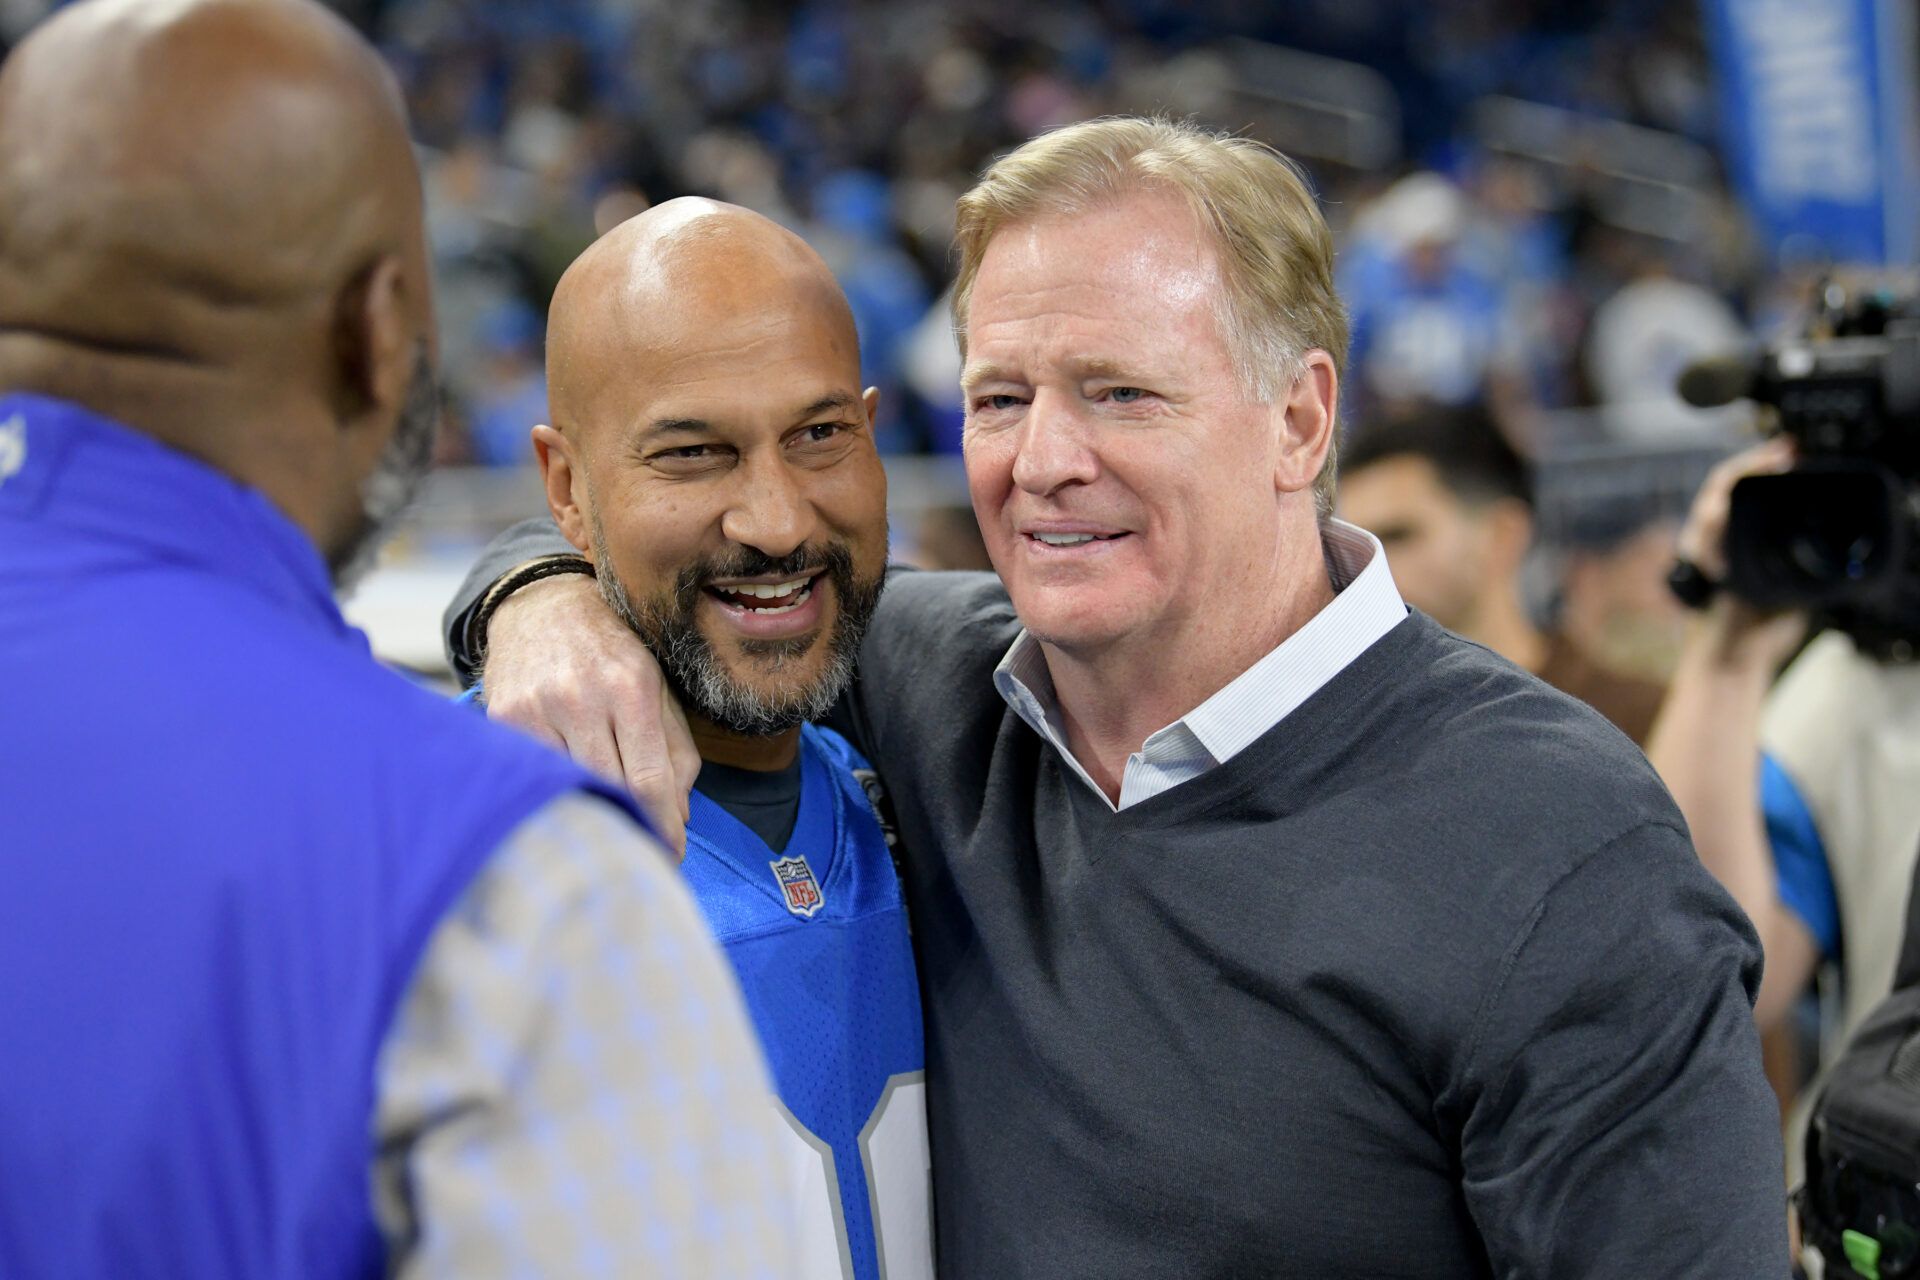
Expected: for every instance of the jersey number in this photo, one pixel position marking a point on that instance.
(893, 1148)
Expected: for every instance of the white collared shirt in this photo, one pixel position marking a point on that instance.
(1366, 605)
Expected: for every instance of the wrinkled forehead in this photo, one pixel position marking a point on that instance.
(1147, 253)
(1137, 273)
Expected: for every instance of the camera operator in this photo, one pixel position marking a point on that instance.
(1803, 795)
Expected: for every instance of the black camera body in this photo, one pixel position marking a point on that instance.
(1860, 1203)
(1839, 535)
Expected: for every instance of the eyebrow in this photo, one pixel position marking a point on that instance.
(975, 374)
(1083, 367)
(702, 427)
(833, 400)
(674, 427)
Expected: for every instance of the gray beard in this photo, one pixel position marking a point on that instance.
(396, 479)
(703, 683)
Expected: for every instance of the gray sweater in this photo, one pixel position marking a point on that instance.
(1426, 982)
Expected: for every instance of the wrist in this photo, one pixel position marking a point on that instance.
(522, 583)
(1732, 639)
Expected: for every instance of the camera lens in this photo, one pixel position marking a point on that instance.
(1817, 537)
(1830, 547)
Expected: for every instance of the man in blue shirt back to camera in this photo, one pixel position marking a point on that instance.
(711, 453)
(303, 973)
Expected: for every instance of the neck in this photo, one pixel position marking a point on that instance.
(763, 753)
(1113, 699)
(1502, 625)
(189, 406)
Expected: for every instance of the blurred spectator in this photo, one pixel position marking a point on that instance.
(509, 391)
(949, 538)
(1637, 344)
(1452, 503)
(1430, 321)
(1614, 602)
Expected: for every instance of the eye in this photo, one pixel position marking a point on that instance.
(823, 439)
(1126, 395)
(687, 459)
(997, 404)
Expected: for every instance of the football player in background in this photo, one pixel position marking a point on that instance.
(711, 456)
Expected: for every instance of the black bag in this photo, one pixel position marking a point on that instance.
(1860, 1203)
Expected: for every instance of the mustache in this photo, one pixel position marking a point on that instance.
(665, 623)
(832, 558)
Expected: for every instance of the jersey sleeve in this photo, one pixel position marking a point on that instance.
(1799, 857)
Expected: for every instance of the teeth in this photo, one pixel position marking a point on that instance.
(769, 591)
(1065, 539)
(786, 608)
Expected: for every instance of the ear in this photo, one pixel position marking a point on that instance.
(562, 478)
(871, 398)
(1307, 414)
(1510, 531)
(374, 343)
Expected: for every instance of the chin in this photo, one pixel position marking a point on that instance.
(773, 662)
(1054, 619)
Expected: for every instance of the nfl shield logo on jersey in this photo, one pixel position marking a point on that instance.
(797, 882)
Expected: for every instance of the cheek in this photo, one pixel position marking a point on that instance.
(650, 541)
(852, 501)
(989, 463)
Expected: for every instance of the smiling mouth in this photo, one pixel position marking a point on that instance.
(769, 598)
(1073, 539)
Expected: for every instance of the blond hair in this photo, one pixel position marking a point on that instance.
(1275, 252)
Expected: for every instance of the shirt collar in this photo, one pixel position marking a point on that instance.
(1366, 605)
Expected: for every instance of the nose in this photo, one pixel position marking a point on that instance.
(771, 512)
(1051, 449)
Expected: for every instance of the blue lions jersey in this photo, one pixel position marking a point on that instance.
(817, 933)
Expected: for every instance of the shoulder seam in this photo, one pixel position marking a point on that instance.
(1524, 934)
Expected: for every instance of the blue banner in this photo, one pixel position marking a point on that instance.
(1818, 116)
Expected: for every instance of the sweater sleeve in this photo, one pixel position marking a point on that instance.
(533, 539)
(1617, 1121)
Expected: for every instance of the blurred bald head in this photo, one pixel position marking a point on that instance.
(687, 279)
(211, 230)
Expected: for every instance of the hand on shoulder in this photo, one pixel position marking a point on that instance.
(561, 667)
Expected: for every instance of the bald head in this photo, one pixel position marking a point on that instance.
(171, 168)
(690, 277)
(210, 229)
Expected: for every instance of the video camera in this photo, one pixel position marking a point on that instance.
(1839, 535)
(1860, 1203)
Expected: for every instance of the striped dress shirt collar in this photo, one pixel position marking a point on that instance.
(1366, 605)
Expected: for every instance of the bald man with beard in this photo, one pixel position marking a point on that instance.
(711, 457)
(310, 976)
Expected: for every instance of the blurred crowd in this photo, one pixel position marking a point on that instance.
(1472, 267)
